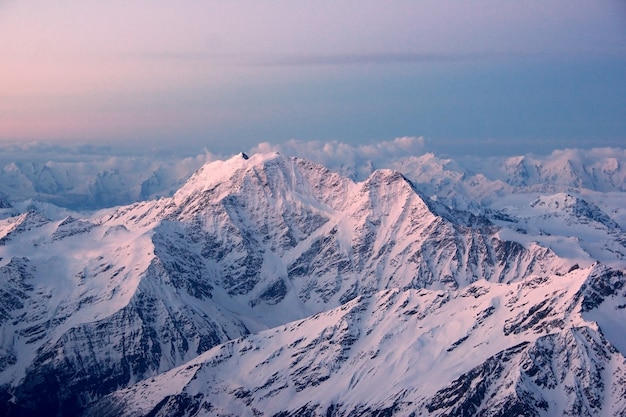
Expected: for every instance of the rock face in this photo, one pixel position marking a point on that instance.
(268, 281)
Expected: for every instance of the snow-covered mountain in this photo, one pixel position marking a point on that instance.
(489, 349)
(274, 284)
(569, 200)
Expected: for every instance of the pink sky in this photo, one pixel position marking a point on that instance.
(92, 70)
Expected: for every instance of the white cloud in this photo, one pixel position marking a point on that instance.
(354, 160)
(91, 176)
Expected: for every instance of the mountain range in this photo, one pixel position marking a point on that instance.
(273, 285)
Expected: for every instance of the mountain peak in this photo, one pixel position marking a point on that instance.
(214, 173)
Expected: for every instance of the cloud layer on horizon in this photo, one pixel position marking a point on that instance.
(94, 177)
(356, 161)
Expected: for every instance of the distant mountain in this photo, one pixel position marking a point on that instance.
(468, 182)
(96, 182)
(4, 201)
(598, 169)
(566, 201)
(271, 285)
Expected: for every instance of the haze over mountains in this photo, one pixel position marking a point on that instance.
(89, 177)
(274, 285)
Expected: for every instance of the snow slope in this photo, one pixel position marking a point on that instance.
(488, 349)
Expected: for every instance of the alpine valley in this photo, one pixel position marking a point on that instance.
(274, 286)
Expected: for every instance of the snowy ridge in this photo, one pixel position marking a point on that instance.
(571, 201)
(94, 303)
(414, 343)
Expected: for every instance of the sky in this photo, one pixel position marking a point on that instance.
(481, 77)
